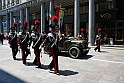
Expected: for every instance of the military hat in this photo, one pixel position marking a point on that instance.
(24, 27)
(53, 25)
(12, 28)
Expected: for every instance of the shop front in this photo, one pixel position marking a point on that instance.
(110, 27)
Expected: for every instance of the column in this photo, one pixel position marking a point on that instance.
(91, 23)
(11, 19)
(1, 25)
(22, 17)
(76, 18)
(2, 4)
(6, 3)
(7, 22)
(27, 17)
(42, 16)
(51, 10)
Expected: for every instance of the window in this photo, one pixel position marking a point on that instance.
(81, 10)
(68, 12)
(96, 7)
(71, 11)
(84, 8)
(87, 9)
(101, 7)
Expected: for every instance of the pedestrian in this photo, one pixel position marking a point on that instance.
(2, 38)
(79, 36)
(97, 40)
(24, 42)
(53, 38)
(37, 40)
(13, 41)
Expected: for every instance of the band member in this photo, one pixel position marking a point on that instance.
(53, 38)
(24, 41)
(37, 40)
(12, 40)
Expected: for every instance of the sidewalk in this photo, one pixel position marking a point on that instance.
(118, 47)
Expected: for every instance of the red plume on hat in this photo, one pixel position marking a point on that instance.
(55, 19)
(15, 24)
(82, 29)
(25, 23)
(99, 29)
(37, 22)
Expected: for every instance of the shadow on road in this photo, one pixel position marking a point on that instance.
(86, 57)
(45, 67)
(5, 77)
(103, 52)
(67, 72)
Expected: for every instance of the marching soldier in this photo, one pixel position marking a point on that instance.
(97, 40)
(12, 40)
(53, 38)
(24, 41)
(37, 40)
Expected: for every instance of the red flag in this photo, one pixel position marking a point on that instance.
(57, 11)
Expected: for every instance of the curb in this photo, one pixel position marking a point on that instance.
(110, 47)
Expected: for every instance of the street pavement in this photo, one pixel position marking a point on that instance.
(106, 66)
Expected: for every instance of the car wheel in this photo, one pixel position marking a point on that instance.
(74, 52)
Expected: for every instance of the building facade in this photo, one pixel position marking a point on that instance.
(87, 14)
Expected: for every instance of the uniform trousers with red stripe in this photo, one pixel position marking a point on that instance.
(37, 56)
(98, 45)
(25, 53)
(14, 48)
(54, 62)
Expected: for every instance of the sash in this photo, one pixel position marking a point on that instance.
(13, 37)
(24, 38)
(54, 43)
(37, 41)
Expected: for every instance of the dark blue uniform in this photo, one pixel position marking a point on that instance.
(12, 40)
(37, 40)
(24, 41)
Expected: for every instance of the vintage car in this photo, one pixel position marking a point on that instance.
(75, 48)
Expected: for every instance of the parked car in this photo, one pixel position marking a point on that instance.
(75, 48)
